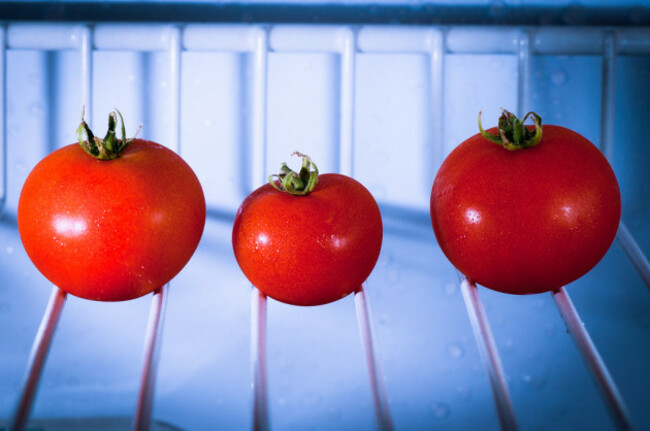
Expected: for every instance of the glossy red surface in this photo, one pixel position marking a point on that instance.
(525, 221)
(111, 230)
(309, 250)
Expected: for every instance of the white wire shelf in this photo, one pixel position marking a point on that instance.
(346, 42)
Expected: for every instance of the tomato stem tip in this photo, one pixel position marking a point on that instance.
(296, 183)
(108, 148)
(513, 134)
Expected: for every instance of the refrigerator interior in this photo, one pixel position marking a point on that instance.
(383, 103)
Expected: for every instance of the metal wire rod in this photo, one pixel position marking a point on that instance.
(3, 116)
(380, 399)
(37, 358)
(634, 252)
(258, 360)
(523, 75)
(152, 343)
(346, 117)
(489, 355)
(604, 381)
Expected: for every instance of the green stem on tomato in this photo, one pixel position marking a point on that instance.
(513, 134)
(108, 148)
(296, 183)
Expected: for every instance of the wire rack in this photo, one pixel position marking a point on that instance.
(346, 42)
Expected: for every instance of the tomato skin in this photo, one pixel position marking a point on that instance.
(111, 230)
(308, 250)
(525, 221)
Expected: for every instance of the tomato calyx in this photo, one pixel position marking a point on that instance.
(513, 134)
(108, 148)
(296, 183)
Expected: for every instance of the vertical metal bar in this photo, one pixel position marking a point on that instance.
(260, 76)
(153, 337)
(607, 101)
(608, 109)
(607, 112)
(634, 252)
(346, 148)
(86, 48)
(489, 355)
(152, 343)
(175, 53)
(523, 77)
(37, 358)
(594, 362)
(258, 360)
(3, 116)
(382, 412)
(257, 178)
(437, 71)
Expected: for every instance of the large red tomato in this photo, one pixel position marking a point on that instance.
(520, 214)
(114, 229)
(308, 247)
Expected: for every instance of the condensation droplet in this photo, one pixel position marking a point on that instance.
(282, 401)
(10, 250)
(311, 399)
(72, 381)
(451, 289)
(558, 77)
(393, 275)
(463, 392)
(334, 414)
(537, 303)
(455, 351)
(496, 63)
(441, 410)
(497, 8)
(379, 157)
(37, 109)
(534, 381)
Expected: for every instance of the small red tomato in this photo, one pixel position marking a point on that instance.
(523, 209)
(308, 239)
(111, 220)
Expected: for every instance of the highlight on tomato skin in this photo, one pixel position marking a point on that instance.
(99, 220)
(307, 238)
(525, 209)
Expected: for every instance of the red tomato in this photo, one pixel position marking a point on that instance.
(111, 230)
(311, 249)
(529, 220)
